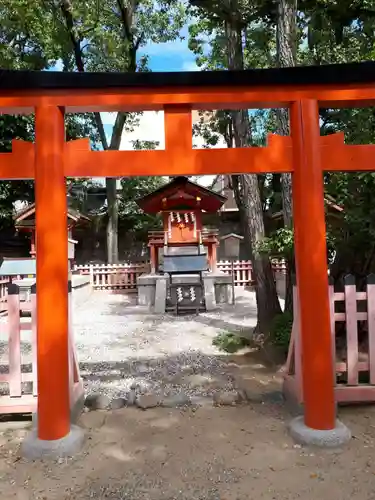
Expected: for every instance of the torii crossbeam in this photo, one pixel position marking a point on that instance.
(305, 154)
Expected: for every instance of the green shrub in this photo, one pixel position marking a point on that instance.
(280, 330)
(230, 342)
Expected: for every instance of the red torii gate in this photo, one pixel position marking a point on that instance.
(303, 90)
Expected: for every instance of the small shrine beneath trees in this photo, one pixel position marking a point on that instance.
(183, 254)
(24, 221)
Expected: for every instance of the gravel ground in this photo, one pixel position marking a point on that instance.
(120, 345)
(199, 452)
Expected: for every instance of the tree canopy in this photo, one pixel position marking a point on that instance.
(223, 34)
(83, 36)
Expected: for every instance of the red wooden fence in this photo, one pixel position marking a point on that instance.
(242, 271)
(18, 333)
(354, 357)
(124, 276)
(114, 276)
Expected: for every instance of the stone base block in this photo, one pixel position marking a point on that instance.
(333, 438)
(152, 289)
(34, 448)
(146, 285)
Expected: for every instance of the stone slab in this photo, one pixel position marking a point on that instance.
(146, 296)
(219, 278)
(148, 279)
(209, 292)
(160, 295)
(152, 289)
(185, 279)
(223, 293)
(146, 289)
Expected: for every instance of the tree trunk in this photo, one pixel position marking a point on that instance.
(286, 43)
(126, 11)
(112, 199)
(246, 189)
(112, 222)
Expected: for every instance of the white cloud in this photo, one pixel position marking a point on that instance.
(150, 128)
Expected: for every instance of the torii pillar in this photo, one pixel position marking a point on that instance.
(318, 426)
(54, 433)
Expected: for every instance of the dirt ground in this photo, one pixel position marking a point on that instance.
(201, 453)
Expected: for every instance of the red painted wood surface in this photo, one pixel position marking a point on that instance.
(311, 267)
(51, 159)
(206, 98)
(52, 274)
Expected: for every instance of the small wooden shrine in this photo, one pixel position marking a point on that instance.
(182, 204)
(24, 221)
(183, 255)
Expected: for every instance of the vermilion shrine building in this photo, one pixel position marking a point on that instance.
(185, 251)
(181, 203)
(305, 154)
(24, 221)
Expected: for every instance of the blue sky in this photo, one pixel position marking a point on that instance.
(170, 56)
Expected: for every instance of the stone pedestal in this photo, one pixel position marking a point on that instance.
(223, 287)
(152, 289)
(160, 294)
(146, 286)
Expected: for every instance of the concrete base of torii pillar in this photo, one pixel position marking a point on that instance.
(34, 448)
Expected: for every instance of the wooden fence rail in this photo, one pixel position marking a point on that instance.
(114, 276)
(124, 276)
(242, 271)
(18, 334)
(353, 341)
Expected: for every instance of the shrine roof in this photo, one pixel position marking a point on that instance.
(210, 200)
(329, 202)
(26, 216)
(329, 74)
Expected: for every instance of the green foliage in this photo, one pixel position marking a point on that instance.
(22, 127)
(280, 243)
(230, 342)
(24, 35)
(138, 144)
(328, 32)
(280, 331)
(207, 38)
(133, 218)
(133, 188)
(39, 32)
(88, 36)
